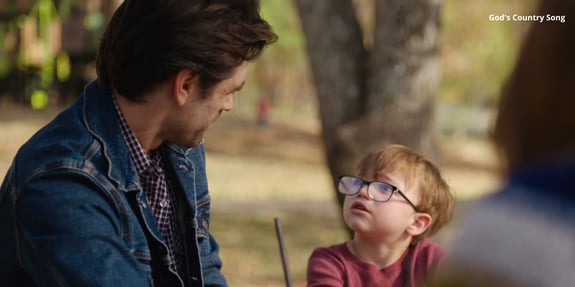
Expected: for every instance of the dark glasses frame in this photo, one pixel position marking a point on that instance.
(368, 183)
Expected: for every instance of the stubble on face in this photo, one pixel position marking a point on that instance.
(205, 109)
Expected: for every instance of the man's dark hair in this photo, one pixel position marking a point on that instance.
(148, 41)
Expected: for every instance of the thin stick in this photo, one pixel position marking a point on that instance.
(282, 252)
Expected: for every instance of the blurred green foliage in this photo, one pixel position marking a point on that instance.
(478, 54)
(281, 74)
(284, 19)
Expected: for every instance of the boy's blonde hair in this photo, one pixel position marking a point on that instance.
(436, 198)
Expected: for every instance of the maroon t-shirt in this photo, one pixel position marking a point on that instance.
(336, 266)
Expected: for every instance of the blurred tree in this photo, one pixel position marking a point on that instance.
(373, 93)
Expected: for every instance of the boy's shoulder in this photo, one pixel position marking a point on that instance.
(425, 250)
(429, 245)
(428, 253)
(337, 250)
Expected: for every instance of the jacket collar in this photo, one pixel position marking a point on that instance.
(101, 120)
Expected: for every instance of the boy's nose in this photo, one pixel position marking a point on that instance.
(363, 192)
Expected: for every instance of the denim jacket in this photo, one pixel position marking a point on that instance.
(73, 212)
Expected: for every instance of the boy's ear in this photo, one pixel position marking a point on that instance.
(420, 223)
(185, 84)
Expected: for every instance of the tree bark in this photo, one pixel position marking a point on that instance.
(370, 96)
(405, 73)
(337, 57)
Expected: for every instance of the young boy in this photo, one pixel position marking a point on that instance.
(395, 203)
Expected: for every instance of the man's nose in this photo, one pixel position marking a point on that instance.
(228, 103)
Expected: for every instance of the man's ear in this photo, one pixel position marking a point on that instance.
(420, 223)
(186, 83)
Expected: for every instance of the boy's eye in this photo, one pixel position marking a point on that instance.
(382, 187)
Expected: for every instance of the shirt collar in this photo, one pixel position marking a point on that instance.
(144, 162)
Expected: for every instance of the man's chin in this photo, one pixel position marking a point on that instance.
(189, 143)
(196, 142)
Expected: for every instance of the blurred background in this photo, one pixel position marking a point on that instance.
(268, 158)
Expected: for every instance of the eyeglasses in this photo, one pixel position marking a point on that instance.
(376, 190)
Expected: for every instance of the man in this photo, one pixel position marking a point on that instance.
(113, 191)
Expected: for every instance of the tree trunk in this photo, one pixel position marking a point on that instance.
(336, 54)
(404, 78)
(370, 96)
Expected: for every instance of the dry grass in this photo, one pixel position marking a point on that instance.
(250, 248)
